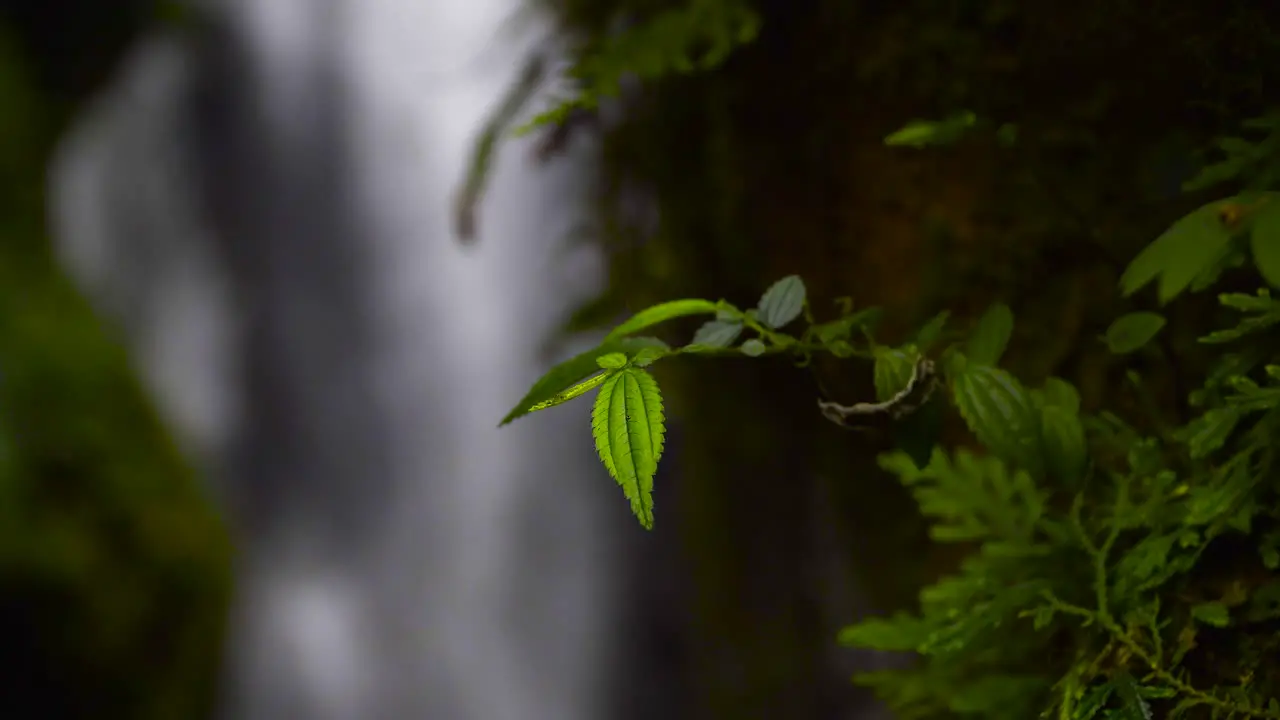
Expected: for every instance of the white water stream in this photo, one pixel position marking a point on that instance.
(337, 362)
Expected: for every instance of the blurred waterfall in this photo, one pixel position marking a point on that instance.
(262, 208)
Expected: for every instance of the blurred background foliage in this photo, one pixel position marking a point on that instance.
(114, 570)
(772, 162)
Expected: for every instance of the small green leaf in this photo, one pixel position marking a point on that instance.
(1261, 302)
(628, 427)
(782, 302)
(1133, 330)
(922, 133)
(1061, 394)
(1264, 241)
(1007, 135)
(1212, 613)
(892, 372)
(728, 313)
(900, 633)
(990, 337)
(577, 390)
(717, 333)
(662, 313)
(1062, 435)
(842, 328)
(932, 330)
(648, 356)
(1135, 706)
(1210, 431)
(612, 361)
(1181, 253)
(753, 348)
(574, 370)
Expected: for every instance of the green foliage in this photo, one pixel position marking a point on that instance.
(935, 133)
(924, 133)
(1264, 242)
(991, 336)
(557, 385)
(782, 302)
(115, 571)
(1105, 578)
(1188, 248)
(627, 419)
(1132, 331)
(696, 36)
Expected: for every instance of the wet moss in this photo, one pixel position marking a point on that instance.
(114, 568)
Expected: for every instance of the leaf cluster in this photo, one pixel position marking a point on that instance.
(1112, 574)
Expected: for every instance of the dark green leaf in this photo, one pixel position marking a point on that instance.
(1264, 241)
(1212, 613)
(842, 328)
(990, 337)
(932, 330)
(892, 371)
(1210, 431)
(1132, 331)
(1181, 253)
(901, 633)
(1061, 394)
(1066, 452)
(753, 348)
(1001, 413)
(923, 133)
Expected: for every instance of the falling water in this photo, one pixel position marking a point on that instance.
(264, 214)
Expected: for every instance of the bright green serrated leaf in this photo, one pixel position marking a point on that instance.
(1181, 253)
(753, 348)
(1264, 241)
(782, 302)
(573, 371)
(628, 427)
(990, 336)
(662, 313)
(1133, 330)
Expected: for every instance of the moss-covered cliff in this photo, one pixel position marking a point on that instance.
(114, 570)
